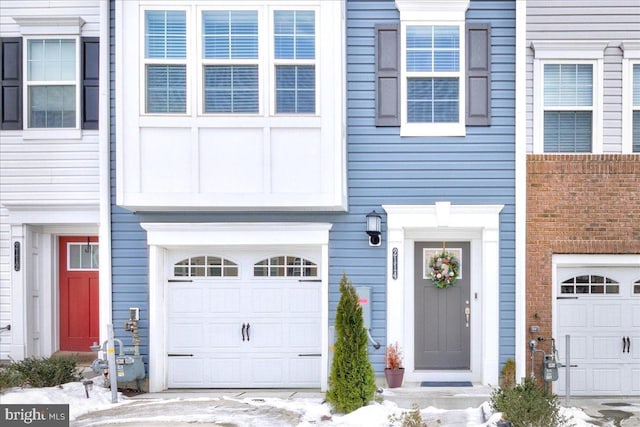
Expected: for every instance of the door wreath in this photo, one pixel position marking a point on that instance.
(444, 269)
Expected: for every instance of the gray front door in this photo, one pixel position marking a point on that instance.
(441, 328)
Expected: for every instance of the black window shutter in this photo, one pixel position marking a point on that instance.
(387, 50)
(478, 103)
(90, 61)
(11, 70)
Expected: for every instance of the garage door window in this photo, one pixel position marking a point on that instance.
(636, 287)
(285, 266)
(205, 266)
(590, 284)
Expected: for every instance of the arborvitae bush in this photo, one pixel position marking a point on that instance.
(39, 372)
(352, 380)
(508, 374)
(528, 405)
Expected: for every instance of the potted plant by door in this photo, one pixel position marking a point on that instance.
(394, 372)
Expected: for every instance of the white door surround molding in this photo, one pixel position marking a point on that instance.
(161, 237)
(478, 224)
(34, 288)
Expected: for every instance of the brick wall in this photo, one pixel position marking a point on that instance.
(577, 204)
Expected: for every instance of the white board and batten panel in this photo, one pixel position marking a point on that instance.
(598, 325)
(196, 160)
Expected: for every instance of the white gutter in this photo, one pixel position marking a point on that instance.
(521, 188)
(105, 181)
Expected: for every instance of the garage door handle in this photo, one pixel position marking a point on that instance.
(179, 354)
(243, 327)
(626, 344)
(248, 337)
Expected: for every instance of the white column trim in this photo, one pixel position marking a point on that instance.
(480, 224)
(164, 236)
(104, 233)
(521, 189)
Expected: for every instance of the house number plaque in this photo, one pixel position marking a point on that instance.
(394, 263)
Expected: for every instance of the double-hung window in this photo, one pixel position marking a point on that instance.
(230, 61)
(568, 107)
(432, 68)
(294, 59)
(52, 83)
(433, 74)
(567, 96)
(252, 60)
(165, 54)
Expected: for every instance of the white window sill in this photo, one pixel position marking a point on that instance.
(432, 129)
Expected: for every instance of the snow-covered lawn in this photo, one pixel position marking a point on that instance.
(98, 410)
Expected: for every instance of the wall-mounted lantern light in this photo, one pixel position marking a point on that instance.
(374, 222)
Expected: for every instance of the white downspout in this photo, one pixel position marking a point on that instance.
(105, 181)
(521, 187)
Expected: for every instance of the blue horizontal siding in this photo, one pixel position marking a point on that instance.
(383, 168)
(387, 169)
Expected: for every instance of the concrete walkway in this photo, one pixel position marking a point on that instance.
(609, 411)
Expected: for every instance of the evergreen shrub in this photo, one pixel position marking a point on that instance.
(528, 405)
(39, 372)
(352, 379)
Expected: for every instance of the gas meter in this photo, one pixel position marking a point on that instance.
(550, 368)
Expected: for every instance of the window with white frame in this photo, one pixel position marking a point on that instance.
(635, 106)
(567, 96)
(234, 61)
(294, 57)
(568, 107)
(433, 74)
(52, 82)
(165, 54)
(230, 61)
(285, 266)
(433, 81)
(83, 256)
(432, 67)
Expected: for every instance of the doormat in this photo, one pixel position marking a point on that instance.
(446, 384)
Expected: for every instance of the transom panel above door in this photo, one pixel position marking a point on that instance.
(244, 320)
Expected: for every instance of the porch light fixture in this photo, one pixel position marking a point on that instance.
(374, 221)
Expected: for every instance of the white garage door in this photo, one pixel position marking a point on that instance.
(600, 309)
(249, 322)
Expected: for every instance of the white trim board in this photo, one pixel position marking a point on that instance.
(478, 224)
(161, 237)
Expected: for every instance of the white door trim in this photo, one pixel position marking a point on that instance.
(163, 236)
(39, 335)
(478, 224)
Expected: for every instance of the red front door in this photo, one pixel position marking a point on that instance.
(78, 292)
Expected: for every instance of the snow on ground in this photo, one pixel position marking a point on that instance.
(98, 410)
